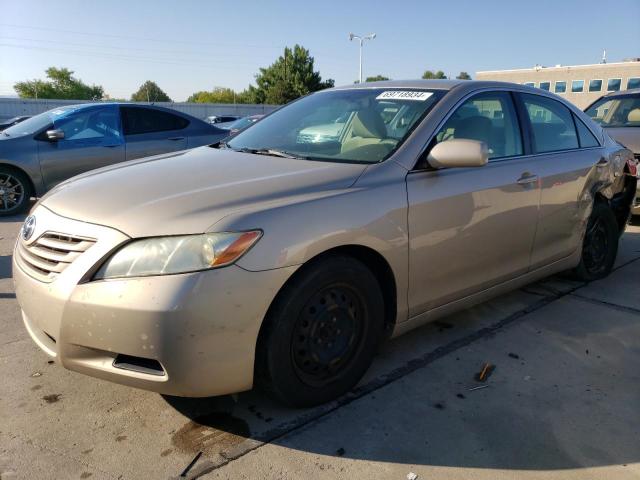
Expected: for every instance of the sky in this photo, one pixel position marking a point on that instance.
(191, 45)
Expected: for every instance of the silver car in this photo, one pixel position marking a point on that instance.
(619, 114)
(284, 263)
(44, 150)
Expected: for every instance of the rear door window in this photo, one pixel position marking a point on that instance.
(488, 117)
(587, 139)
(552, 126)
(139, 120)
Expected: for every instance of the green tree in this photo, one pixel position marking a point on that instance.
(150, 92)
(377, 78)
(428, 75)
(289, 77)
(61, 85)
(464, 76)
(219, 95)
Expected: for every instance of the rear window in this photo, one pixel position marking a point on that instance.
(551, 123)
(139, 120)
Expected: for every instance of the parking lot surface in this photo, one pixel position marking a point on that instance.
(561, 401)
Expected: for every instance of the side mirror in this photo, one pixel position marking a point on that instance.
(459, 152)
(55, 135)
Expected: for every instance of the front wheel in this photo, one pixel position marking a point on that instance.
(15, 192)
(600, 244)
(321, 333)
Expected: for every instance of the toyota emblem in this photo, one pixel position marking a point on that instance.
(28, 227)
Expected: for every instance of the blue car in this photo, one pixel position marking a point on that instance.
(44, 150)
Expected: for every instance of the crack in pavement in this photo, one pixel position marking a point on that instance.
(615, 306)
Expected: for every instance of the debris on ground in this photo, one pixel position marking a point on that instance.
(439, 405)
(53, 398)
(514, 355)
(190, 466)
(411, 476)
(478, 388)
(459, 395)
(36, 374)
(485, 372)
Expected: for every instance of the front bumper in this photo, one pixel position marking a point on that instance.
(199, 328)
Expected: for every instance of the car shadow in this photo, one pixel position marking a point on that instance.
(514, 424)
(5, 266)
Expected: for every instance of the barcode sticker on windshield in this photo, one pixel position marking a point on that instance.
(404, 95)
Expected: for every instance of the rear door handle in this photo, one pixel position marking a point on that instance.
(110, 146)
(527, 178)
(174, 139)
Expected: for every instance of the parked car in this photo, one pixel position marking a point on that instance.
(13, 121)
(221, 119)
(267, 261)
(44, 150)
(619, 114)
(242, 123)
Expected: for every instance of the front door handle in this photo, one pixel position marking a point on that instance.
(527, 178)
(175, 139)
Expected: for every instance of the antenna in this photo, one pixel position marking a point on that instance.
(604, 56)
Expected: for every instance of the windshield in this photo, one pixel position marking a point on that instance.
(623, 111)
(37, 122)
(358, 125)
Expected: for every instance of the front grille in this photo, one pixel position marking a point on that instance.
(48, 256)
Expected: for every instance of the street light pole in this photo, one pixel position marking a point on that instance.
(361, 40)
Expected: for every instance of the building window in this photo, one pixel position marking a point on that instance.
(529, 84)
(545, 86)
(595, 85)
(613, 85)
(577, 86)
(560, 87)
(633, 83)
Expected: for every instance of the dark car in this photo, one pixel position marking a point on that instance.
(46, 149)
(13, 121)
(220, 120)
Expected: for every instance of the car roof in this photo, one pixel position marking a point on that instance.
(623, 93)
(444, 84)
(79, 106)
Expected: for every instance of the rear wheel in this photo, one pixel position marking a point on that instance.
(322, 332)
(15, 192)
(600, 244)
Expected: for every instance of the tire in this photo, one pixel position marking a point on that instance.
(599, 246)
(15, 192)
(321, 333)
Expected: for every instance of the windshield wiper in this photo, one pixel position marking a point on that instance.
(271, 152)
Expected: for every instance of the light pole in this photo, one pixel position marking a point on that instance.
(371, 36)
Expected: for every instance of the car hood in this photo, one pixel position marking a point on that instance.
(188, 192)
(627, 136)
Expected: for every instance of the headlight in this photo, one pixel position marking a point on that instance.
(180, 254)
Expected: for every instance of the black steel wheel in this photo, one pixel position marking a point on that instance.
(322, 332)
(600, 244)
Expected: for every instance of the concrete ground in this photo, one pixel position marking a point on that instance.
(562, 401)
